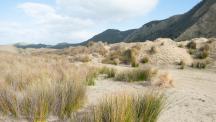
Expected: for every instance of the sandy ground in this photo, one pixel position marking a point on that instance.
(193, 99)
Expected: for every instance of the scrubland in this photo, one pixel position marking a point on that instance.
(123, 82)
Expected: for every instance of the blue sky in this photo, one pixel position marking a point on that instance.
(73, 21)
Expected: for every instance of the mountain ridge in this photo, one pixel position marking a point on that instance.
(175, 27)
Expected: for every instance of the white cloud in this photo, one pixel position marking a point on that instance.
(70, 20)
(107, 9)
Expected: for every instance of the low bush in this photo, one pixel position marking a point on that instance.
(136, 75)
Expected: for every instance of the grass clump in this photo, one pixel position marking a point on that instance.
(136, 75)
(199, 64)
(109, 72)
(202, 54)
(191, 45)
(123, 56)
(34, 88)
(127, 108)
(131, 57)
(153, 50)
(145, 60)
(182, 64)
(91, 77)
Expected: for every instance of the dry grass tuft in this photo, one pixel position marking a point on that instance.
(199, 64)
(191, 45)
(109, 72)
(166, 80)
(153, 50)
(127, 108)
(145, 60)
(35, 87)
(136, 75)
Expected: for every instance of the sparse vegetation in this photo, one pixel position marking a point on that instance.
(126, 108)
(118, 56)
(199, 64)
(91, 77)
(153, 50)
(191, 51)
(180, 45)
(166, 80)
(110, 72)
(136, 75)
(145, 60)
(131, 56)
(192, 45)
(182, 64)
(202, 54)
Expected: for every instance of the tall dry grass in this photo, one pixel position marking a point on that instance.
(35, 87)
(127, 108)
(140, 74)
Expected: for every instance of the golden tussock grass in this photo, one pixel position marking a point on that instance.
(128, 108)
(34, 87)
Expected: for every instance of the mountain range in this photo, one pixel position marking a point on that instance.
(200, 21)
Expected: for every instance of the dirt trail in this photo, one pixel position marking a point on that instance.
(193, 99)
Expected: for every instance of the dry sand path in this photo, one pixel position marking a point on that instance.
(193, 99)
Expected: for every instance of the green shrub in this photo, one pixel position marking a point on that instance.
(136, 75)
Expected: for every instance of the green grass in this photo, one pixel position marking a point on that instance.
(136, 75)
(126, 108)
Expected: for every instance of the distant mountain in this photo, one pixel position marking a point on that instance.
(112, 36)
(37, 46)
(198, 22)
(31, 46)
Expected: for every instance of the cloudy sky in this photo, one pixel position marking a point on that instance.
(73, 21)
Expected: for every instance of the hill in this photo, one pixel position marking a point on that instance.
(200, 21)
